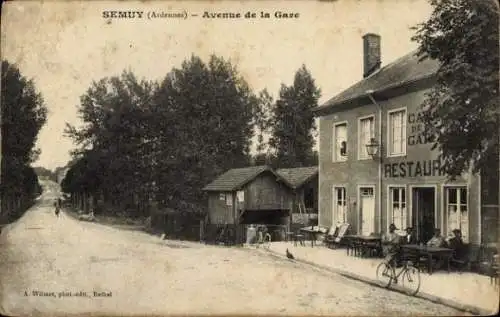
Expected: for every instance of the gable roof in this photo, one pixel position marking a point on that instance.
(403, 71)
(235, 178)
(298, 176)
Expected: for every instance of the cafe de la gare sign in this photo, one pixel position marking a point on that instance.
(418, 168)
(416, 130)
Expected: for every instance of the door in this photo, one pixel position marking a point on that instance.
(424, 212)
(367, 210)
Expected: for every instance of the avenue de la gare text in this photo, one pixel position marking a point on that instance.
(250, 15)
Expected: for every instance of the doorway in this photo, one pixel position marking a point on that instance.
(424, 212)
(367, 210)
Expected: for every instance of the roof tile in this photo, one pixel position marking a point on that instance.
(235, 178)
(297, 176)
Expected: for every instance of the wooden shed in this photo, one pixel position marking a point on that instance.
(261, 195)
(255, 194)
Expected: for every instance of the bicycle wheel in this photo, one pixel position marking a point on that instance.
(267, 241)
(385, 274)
(411, 280)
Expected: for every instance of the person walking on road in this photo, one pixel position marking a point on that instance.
(57, 204)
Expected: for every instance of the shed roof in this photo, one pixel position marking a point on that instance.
(235, 178)
(299, 175)
(404, 70)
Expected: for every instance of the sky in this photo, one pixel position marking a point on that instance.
(64, 46)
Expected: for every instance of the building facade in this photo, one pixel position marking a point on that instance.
(402, 182)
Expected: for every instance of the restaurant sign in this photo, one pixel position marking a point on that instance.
(413, 169)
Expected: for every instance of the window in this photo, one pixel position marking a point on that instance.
(366, 191)
(456, 207)
(340, 145)
(339, 204)
(222, 196)
(366, 126)
(397, 207)
(229, 199)
(241, 195)
(397, 132)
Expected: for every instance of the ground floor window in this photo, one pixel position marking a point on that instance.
(339, 204)
(457, 211)
(397, 207)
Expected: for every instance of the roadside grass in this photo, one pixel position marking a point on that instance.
(117, 221)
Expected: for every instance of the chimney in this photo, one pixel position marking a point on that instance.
(371, 54)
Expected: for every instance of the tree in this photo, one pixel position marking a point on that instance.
(293, 123)
(204, 121)
(461, 110)
(142, 141)
(112, 158)
(263, 124)
(23, 115)
(262, 119)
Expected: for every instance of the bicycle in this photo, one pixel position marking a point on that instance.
(264, 238)
(410, 276)
(266, 241)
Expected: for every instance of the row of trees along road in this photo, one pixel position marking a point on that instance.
(146, 143)
(46, 173)
(23, 114)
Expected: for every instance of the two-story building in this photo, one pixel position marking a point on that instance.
(402, 182)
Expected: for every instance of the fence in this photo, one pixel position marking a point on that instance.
(227, 234)
(184, 226)
(236, 234)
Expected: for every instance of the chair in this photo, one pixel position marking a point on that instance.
(352, 245)
(330, 236)
(339, 239)
(495, 270)
(299, 237)
(459, 260)
(488, 262)
(372, 248)
(289, 236)
(358, 245)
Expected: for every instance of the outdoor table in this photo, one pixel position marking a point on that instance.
(430, 252)
(360, 240)
(312, 233)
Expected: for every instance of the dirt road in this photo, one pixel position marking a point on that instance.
(52, 265)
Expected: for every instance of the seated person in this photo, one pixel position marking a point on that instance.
(410, 237)
(390, 245)
(437, 240)
(457, 244)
